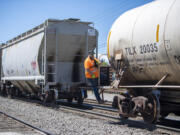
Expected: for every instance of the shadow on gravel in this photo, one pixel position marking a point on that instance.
(135, 124)
(168, 124)
(75, 105)
(173, 124)
(54, 105)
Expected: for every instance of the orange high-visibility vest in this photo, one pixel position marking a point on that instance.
(90, 64)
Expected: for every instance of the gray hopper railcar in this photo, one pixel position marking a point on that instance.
(47, 61)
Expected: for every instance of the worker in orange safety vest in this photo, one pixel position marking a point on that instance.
(92, 73)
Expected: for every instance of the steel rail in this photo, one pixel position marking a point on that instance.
(74, 108)
(162, 125)
(151, 86)
(117, 119)
(91, 112)
(92, 105)
(27, 124)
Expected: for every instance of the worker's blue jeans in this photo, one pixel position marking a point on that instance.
(94, 84)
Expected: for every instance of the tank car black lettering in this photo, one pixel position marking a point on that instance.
(151, 48)
(155, 47)
(138, 60)
(141, 49)
(131, 50)
(137, 69)
(148, 48)
(144, 48)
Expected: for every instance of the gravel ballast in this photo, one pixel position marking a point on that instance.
(64, 123)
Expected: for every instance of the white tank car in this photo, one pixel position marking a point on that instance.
(143, 47)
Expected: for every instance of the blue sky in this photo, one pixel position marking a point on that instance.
(18, 16)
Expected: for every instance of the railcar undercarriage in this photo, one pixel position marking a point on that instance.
(51, 95)
(151, 106)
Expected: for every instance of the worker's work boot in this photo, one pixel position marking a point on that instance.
(100, 101)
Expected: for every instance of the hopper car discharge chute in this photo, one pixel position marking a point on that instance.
(47, 61)
(144, 49)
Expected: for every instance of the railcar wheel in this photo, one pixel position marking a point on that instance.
(19, 93)
(80, 98)
(3, 90)
(41, 97)
(10, 93)
(49, 96)
(80, 101)
(151, 113)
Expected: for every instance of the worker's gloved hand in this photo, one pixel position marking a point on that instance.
(93, 76)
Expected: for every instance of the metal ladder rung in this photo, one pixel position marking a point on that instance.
(51, 73)
(50, 55)
(52, 83)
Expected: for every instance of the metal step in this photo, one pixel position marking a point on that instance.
(51, 64)
(52, 83)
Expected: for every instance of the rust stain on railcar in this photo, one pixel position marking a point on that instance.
(76, 67)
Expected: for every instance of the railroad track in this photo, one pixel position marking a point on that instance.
(108, 113)
(92, 101)
(12, 125)
(91, 109)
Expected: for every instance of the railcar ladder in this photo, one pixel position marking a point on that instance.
(51, 72)
(52, 65)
